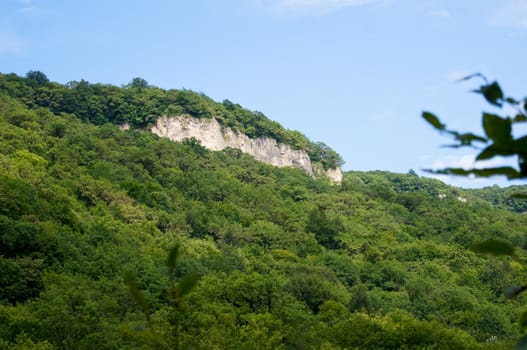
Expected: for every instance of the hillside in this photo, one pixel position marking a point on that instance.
(210, 134)
(139, 105)
(89, 214)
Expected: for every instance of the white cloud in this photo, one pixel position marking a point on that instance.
(512, 14)
(10, 43)
(443, 13)
(315, 7)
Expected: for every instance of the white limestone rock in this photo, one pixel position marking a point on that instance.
(213, 136)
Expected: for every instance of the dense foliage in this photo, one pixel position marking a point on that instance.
(283, 261)
(139, 104)
(500, 140)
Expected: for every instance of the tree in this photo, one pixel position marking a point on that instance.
(326, 229)
(498, 141)
(174, 293)
(37, 77)
(138, 83)
(320, 152)
(499, 138)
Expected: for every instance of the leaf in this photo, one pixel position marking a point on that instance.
(474, 75)
(173, 255)
(487, 153)
(186, 284)
(511, 101)
(136, 294)
(492, 93)
(523, 167)
(468, 138)
(493, 247)
(520, 118)
(497, 129)
(522, 343)
(510, 172)
(522, 322)
(513, 291)
(494, 150)
(433, 120)
(518, 196)
(456, 145)
(520, 145)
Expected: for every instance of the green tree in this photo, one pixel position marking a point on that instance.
(37, 77)
(499, 141)
(138, 83)
(499, 138)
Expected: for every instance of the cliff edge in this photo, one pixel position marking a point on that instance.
(216, 138)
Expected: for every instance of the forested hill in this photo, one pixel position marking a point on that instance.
(115, 239)
(140, 104)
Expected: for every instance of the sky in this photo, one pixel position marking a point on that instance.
(354, 74)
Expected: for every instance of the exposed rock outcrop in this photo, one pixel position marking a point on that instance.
(214, 137)
(335, 175)
(125, 126)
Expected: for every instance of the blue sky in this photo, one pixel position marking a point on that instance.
(355, 74)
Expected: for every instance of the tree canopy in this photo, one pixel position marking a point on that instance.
(139, 104)
(499, 141)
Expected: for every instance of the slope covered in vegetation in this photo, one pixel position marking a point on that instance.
(140, 104)
(284, 261)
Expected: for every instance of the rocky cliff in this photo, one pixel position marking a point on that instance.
(214, 137)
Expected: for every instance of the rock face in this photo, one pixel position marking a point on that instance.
(335, 175)
(124, 127)
(212, 136)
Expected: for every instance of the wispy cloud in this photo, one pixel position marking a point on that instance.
(512, 14)
(10, 43)
(443, 13)
(315, 7)
(29, 7)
